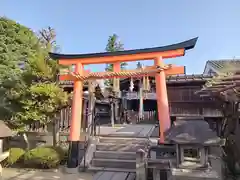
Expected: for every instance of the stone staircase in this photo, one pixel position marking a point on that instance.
(116, 154)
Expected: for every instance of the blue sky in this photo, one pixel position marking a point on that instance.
(84, 25)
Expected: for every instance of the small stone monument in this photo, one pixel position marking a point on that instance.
(5, 132)
(194, 141)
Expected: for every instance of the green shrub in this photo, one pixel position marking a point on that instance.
(63, 153)
(42, 157)
(59, 150)
(15, 156)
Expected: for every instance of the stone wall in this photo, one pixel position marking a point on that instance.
(216, 161)
(35, 139)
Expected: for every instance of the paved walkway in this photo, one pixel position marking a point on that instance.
(130, 130)
(16, 174)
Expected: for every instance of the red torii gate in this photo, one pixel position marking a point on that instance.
(159, 70)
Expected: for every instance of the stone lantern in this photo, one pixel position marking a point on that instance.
(194, 144)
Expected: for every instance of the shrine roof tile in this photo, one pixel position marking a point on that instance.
(187, 78)
(188, 132)
(224, 65)
(170, 79)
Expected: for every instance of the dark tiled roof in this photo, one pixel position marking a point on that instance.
(187, 78)
(225, 85)
(224, 65)
(186, 45)
(5, 131)
(69, 84)
(66, 83)
(194, 131)
(170, 79)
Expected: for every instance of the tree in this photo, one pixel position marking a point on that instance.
(30, 91)
(46, 98)
(139, 65)
(17, 43)
(113, 45)
(224, 88)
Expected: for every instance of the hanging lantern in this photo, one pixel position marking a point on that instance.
(101, 85)
(116, 85)
(91, 86)
(131, 85)
(146, 83)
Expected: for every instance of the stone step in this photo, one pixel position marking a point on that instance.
(115, 155)
(114, 163)
(123, 140)
(97, 169)
(103, 175)
(119, 147)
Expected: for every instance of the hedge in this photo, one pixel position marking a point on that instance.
(42, 157)
(15, 156)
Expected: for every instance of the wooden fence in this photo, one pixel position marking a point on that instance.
(62, 122)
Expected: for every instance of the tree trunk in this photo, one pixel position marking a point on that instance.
(26, 140)
(55, 131)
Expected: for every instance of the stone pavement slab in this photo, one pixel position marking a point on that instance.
(21, 174)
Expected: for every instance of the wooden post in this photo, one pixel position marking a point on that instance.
(84, 119)
(140, 165)
(91, 101)
(140, 111)
(112, 114)
(1, 146)
(116, 68)
(89, 112)
(116, 89)
(178, 161)
(156, 172)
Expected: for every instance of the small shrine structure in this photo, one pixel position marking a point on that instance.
(198, 154)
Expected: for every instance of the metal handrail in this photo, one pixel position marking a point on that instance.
(92, 127)
(147, 146)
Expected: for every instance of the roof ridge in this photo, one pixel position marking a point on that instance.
(223, 60)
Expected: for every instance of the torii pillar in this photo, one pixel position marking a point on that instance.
(162, 100)
(76, 119)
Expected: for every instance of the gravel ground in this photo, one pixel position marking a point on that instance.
(16, 174)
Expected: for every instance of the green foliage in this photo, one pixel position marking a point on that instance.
(42, 157)
(113, 45)
(61, 152)
(15, 156)
(139, 65)
(29, 90)
(17, 43)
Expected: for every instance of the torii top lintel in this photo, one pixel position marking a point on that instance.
(170, 51)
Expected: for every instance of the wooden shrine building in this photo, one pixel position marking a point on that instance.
(183, 100)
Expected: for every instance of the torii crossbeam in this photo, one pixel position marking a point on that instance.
(159, 70)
